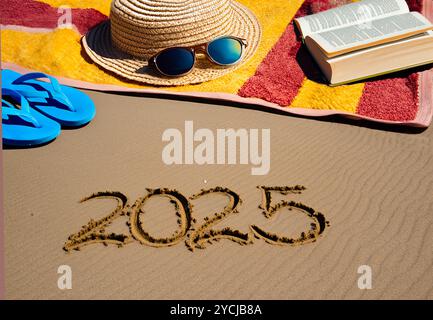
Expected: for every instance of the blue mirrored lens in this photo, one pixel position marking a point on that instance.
(175, 62)
(225, 51)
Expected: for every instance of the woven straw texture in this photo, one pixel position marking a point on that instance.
(138, 29)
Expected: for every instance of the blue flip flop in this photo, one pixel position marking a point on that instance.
(25, 127)
(68, 106)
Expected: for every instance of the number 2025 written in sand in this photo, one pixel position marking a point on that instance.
(195, 235)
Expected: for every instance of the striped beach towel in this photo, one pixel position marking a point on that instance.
(280, 76)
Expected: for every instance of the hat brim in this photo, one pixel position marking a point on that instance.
(98, 45)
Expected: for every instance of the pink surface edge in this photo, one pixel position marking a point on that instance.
(425, 112)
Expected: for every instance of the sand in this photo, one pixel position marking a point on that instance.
(373, 187)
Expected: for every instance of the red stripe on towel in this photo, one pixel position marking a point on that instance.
(86, 19)
(33, 14)
(281, 74)
(395, 98)
(415, 5)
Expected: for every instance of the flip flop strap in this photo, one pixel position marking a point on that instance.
(40, 96)
(11, 110)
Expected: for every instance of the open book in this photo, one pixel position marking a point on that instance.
(367, 38)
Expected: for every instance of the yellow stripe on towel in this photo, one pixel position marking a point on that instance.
(314, 95)
(57, 53)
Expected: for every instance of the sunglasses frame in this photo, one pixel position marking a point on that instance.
(200, 48)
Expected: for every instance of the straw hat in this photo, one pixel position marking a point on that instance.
(139, 29)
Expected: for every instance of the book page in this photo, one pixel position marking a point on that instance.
(350, 14)
(378, 31)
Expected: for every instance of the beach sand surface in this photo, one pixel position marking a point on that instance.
(374, 186)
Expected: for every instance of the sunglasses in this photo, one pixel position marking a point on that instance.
(179, 61)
